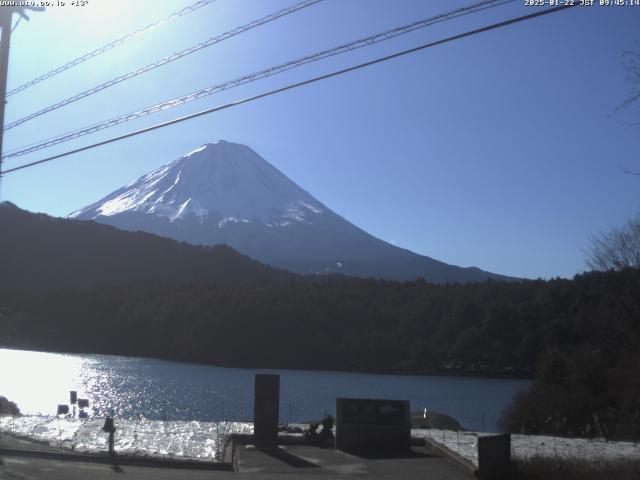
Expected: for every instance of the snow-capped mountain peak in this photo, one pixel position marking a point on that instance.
(225, 193)
(223, 181)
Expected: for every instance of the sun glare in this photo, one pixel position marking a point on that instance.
(102, 18)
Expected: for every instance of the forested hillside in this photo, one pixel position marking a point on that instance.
(44, 252)
(340, 323)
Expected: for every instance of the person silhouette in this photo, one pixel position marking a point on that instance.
(110, 428)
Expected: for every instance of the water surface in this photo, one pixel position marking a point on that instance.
(163, 390)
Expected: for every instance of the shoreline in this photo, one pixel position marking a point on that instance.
(490, 374)
(173, 439)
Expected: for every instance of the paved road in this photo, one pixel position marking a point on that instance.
(301, 461)
(20, 468)
(292, 461)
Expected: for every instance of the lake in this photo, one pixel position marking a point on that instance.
(140, 388)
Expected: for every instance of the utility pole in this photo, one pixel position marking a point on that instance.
(6, 18)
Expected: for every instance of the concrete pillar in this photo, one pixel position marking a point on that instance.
(494, 457)
(266, 410)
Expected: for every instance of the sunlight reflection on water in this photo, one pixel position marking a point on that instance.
(37, 382)
(138, 388)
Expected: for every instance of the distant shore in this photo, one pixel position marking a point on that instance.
(7, 407)
(449, 370)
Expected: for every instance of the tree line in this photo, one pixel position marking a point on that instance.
(581, 335)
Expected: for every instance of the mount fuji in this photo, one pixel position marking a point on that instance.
(225, 193)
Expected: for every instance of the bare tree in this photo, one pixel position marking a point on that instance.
(631, 65)
(616, 249)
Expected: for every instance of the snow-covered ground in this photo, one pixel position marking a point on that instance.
(180, 439)
(466, 444)
(202, 440)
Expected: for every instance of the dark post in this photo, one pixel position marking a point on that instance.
(6, 17)
(110, 428)
(6, 14)
(73, 399)
(266, 410)
(494, 457)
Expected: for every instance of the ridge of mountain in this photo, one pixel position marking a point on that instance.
(225, 193)
(40, 251)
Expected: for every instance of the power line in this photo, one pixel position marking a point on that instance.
(109, 46)
(363, 42)
(298, 84)
(164, 61)
(6, 18)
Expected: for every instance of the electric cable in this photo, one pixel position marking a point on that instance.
(363, 42)
(164, 61)
(298, 84)
(109, 46)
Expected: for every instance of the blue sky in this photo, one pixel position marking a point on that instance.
(498, 151)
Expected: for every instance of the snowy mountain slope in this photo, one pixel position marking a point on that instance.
(225, 181)
(226, 193)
